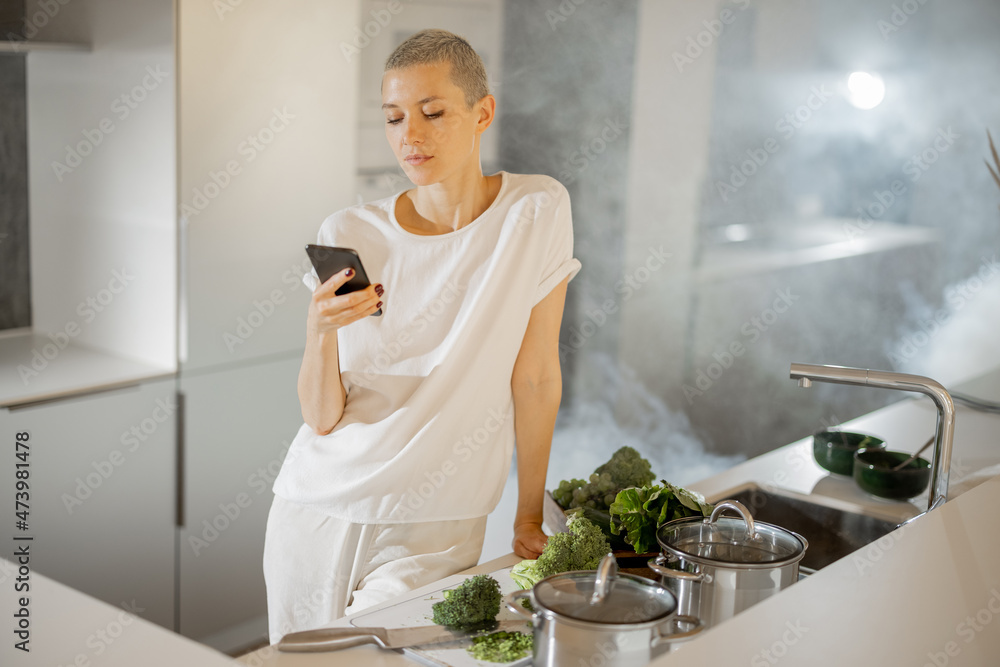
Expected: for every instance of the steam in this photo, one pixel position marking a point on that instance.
(591, 429)
(588, 432)
(958, 340)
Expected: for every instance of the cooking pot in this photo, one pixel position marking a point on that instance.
(719, 566)
(611, 619)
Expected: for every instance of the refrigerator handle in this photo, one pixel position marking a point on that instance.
(179, 491)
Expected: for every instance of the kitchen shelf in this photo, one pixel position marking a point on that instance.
(728, 261)
(76, 370)
(11, 47)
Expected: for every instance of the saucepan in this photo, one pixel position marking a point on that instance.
(719, 566)
(612, 619)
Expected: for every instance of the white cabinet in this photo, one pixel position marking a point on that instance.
(102, 494)
(102, 187)
(266, 115)
(237, 427)
(177, 170)
(266, 118)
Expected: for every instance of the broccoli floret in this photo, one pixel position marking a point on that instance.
(627, 469)
(476, 601)
(582, 548)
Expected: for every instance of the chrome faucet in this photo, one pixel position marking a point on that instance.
(806, 374)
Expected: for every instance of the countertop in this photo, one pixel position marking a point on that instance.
(929, 593)
(71, 629)
(36, 368)
(895, 602)
(926, 594)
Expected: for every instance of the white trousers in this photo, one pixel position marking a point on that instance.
(318, 568)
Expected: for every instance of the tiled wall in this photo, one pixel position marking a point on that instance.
(15, 288)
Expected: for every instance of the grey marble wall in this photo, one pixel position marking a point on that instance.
(565, 105)
(569, 70)
(15, 289)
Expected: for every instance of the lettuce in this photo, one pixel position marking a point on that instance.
(638, 512)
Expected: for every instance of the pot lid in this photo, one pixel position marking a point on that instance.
(736, 541)
(608, 597)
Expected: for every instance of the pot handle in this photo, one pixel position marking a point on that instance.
(679, 636)
(606, 573)
(513, 602)
(658, 565)
(740, 509)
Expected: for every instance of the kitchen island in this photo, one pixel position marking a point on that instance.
(928, 593)
(63, 627)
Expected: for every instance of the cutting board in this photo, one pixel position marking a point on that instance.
(417, 612)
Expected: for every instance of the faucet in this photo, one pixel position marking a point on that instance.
(806, 374)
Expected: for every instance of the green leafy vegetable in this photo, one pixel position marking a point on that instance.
(638, 512)
(475, 601)
(627, 468)
(582, 548)
(601, 519)
(624, 469)
(502, 646)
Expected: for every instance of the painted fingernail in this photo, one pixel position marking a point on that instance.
(379, 289)
(378, 305)
(349, 272)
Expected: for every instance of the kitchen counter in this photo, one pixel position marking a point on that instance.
(928, 593)
(28, 376)
(897, 601)
(69, 628)
(361, 656)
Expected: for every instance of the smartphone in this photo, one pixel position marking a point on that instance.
(328, 260)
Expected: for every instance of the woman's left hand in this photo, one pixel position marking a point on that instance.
(529, 540)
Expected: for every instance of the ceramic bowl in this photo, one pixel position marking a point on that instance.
(834, 450)
(873, 473)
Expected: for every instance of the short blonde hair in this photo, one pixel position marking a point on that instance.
(435, 46)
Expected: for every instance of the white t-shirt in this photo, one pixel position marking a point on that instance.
(428, 427)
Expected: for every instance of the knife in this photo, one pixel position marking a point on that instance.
(332, 639)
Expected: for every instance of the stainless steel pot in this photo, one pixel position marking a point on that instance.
(719, 566)
(610, 620)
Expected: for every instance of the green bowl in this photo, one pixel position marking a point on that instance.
(834, 450)
(873, 473)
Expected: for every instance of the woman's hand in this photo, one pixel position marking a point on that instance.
(328, 312)
(529, 540)
(321, 389)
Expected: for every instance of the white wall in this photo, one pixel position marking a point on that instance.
(111, 209)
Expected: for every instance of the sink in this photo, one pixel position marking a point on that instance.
(832, 532)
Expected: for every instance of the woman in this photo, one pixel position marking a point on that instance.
(411, 417)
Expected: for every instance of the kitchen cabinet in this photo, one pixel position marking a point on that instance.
(266, 152)
(177, 168)
(238, 425)
(102, 494)
(100, 245)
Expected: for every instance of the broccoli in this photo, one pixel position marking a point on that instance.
(475, 602)
(502, 646)
(580, 549)
(627, 469)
